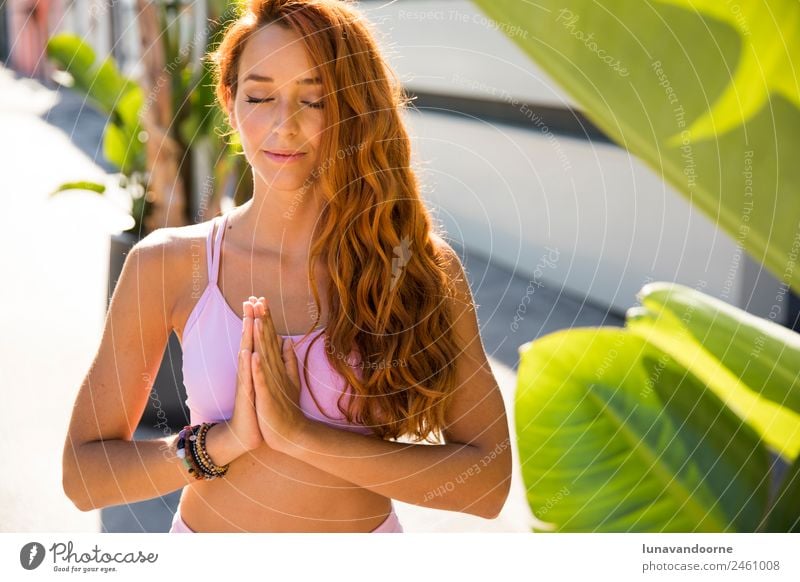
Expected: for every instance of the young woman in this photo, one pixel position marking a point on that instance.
(320, 321)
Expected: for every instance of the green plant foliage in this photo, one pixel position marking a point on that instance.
(620, 437)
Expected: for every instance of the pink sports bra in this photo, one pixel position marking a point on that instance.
(210, 345)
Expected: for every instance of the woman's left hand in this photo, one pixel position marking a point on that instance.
(276, 380)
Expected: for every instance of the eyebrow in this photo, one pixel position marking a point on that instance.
(263, 79)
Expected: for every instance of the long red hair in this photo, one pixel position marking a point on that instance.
(390, 284)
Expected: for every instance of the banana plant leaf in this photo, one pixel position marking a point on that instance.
(705, 92)
(752, 364)
(764, 354)
(615, 436)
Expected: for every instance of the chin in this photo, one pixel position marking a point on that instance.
(285, 179)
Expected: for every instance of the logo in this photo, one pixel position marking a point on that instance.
(402, 254)
(31, 555)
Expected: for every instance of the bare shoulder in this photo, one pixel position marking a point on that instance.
(175, 239)
(174, 258)
(457, 275)
(171, 247)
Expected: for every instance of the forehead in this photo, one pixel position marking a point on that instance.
(275, 52)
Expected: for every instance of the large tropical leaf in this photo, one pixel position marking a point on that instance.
(750, 363)
(762, 353)
(706, 92)
(614, 436)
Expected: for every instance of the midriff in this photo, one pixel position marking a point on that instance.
(269, 491)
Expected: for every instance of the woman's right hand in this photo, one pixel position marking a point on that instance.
(244, 423)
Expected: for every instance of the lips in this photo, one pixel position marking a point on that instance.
(283, 155)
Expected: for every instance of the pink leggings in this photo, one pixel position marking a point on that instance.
(389, 525)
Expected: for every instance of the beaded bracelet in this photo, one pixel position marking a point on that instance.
(203, 457)
(184, 452)
(192, 450)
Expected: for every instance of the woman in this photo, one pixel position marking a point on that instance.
(294, 425)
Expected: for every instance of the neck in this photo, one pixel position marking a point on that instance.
(281, 222)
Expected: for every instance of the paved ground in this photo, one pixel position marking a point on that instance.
(54, 260)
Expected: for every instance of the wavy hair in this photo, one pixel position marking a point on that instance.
(390, 284)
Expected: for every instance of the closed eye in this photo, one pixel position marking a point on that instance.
(315, 105)
(254, 100)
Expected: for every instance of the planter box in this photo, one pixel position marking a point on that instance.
(166, 407)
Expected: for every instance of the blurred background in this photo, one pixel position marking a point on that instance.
(558, 225)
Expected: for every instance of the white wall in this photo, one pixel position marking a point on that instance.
(451, 47)
(513, 193)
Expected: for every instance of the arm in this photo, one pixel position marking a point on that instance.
(102, 465)
(471, 473)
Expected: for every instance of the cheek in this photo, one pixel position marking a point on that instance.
(312, 136)
(252, 126)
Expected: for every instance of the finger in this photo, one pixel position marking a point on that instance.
(245, 374)
(290, 362)
(245, 399)
(247, 327)
(260, 331)
(265, 353)
(260, 303)
(258, 338)
(269, 328)
(259, 384)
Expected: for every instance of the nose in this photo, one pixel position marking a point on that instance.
(285, 122)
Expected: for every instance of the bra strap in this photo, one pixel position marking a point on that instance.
(213, 267)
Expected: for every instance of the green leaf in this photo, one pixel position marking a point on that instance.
(108, 86)
(764, 354)
(76, 57)
(129, 104)
(769, 43)
(726, 83)
(601, 449)
(81, 185)
(778, 426)
(101, 82)
(115, 147)
(729, 455)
